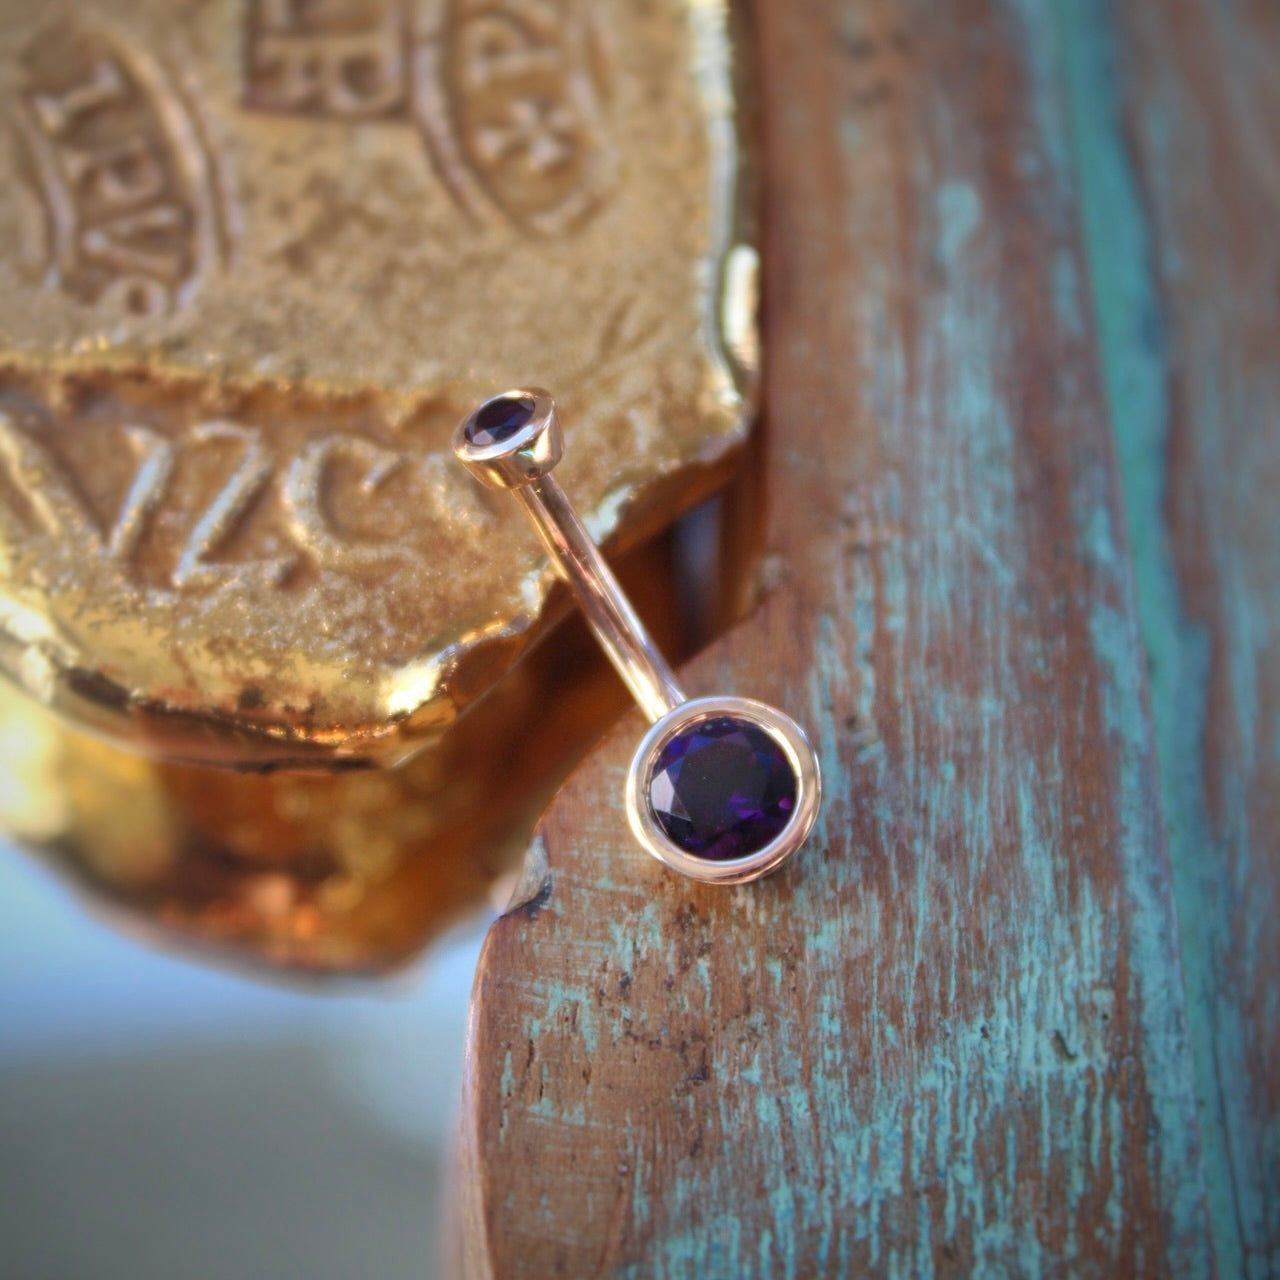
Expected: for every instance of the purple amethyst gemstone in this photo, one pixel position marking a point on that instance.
(723, 789)
(497, 421)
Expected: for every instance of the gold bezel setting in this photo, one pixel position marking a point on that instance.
(782, 730)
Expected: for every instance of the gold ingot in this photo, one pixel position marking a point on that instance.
(256, 260)
(348, 872)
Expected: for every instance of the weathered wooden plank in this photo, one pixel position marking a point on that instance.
(1177, 111)
(949, 1037)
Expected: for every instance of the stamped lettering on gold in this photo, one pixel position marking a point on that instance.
(227, 511)
(124, 178)
(339, 59)
(277, 509)
(512, 98)
(314, 523)
(511, 95)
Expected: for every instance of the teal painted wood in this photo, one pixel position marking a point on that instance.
(950, 1038)
(1177, 120)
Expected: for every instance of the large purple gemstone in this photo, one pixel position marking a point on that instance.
(499, 420)
(723, 789)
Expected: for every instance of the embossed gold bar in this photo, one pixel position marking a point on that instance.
(258, 259)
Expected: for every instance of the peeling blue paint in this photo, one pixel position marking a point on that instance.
(959, 213)
(1136, 362)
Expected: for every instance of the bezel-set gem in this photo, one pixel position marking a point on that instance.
(498, 420)
(723, 788)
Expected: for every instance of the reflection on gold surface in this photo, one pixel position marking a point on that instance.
(346, 872)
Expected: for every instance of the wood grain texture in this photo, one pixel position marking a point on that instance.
(949, 1038)
(1177, 115)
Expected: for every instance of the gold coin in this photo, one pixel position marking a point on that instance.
(257, 259)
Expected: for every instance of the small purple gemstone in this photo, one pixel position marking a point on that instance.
(499, 420)
(723, 789)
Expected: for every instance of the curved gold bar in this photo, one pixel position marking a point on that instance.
(616, 624)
